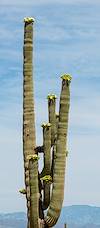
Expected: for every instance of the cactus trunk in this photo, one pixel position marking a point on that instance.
(33, 176)
(28, 106)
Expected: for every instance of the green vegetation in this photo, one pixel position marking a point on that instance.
(43, 190)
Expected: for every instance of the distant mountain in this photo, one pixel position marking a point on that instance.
(73, 216)
(13, 220)
(80, 216)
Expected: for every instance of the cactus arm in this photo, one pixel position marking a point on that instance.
(52, 120)
(47, 180)
(47, 147)
(46, 199)
(54, 147)
(28, 105)
(55, 206)
(47, 162)
(52, 116)
(40, 186)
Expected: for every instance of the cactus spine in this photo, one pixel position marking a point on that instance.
(50, 181)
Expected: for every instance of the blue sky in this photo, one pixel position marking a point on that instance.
(66, 40)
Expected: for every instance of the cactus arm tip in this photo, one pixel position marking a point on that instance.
(51, 97)
(46, 178)
(46, 125)
(22, 191)
(66, 77)
(34, 157)
(29, 19)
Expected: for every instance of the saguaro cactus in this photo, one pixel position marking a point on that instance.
(43, 190)
(29, 141)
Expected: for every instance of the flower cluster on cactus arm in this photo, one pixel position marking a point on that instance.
(67, 77)
(51, 96)
(44, 125)
(22, 191)
(29, 19)
(47, 179)
(34, 157)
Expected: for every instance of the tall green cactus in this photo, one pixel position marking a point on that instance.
(29, 141)
(43, 190)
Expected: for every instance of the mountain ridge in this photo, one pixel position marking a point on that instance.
(75, 216)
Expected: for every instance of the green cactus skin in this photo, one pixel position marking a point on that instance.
(47, 162)
(52, 115)
(56, 201)
(52, 120)
(47, 148)
(46, 195)
(28, 105)
(57, 121)
(54, 147)
(33, 176)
